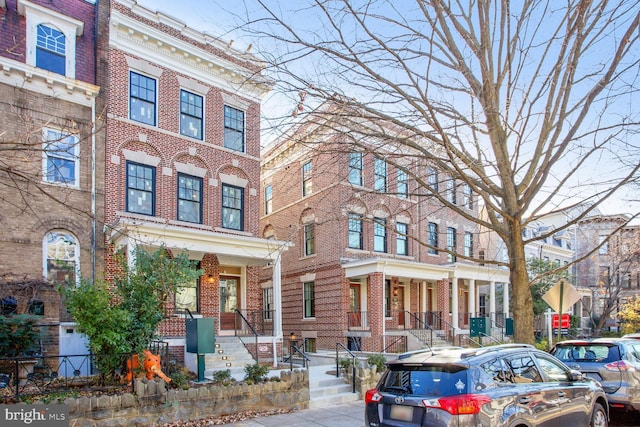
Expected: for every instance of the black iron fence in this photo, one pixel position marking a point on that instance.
(57, 375)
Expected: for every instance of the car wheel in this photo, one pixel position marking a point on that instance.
(599, 416)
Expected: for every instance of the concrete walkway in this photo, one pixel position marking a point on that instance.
(344, 415)
(341, 415)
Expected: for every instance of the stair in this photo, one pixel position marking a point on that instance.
(328, 390)
(230, 354)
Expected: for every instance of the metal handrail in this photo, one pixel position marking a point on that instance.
(424, 325)
(295, 349)
(353, 365)
(448, 326)
(255, 334)
(398, 339)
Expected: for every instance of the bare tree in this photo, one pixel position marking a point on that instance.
(528, 103)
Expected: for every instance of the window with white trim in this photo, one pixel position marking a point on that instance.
(62, 255)
(468, 244)
(267, 303)
(51, 49)
(187, 295)
(50, 38)
(450, 191)
(191, 114)
(61, 163)
(432, 238)
(309, 239)
(142, 98)
(468, 196)
(432, 178)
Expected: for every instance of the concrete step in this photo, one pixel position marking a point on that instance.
(327, 390)
(230, 354)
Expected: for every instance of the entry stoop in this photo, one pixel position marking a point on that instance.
(328, 390)
(230, 354)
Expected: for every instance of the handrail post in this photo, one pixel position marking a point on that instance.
(337, 363)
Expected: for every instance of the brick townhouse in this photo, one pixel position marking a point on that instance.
(370, 261)
(183, 162)
(51, 180)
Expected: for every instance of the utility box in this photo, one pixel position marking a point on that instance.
(480, 327)
(201, 335)
(508, 326)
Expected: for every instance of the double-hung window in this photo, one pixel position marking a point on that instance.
(380, 235)
(187, 296)
(61, 158)
(355, 168)
(468, 244)
(402, 242)
(309, 239)
(432, 179)
(451, 244)
(189, 198)
(267, 303)
(191, 114)
(380, 175)
(307, 183)
(309, 300)
(232, 207)
(142, 98)
(51, 49)
(355, 231)
(141, 188)
(451, 190)
(468, 196)
(432, 238)
(233, 129)
(268, 199)
(403, 184)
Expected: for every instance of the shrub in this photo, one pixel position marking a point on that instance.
(18, 335)
(180, 379)
(255, 373)
(223, 377)
(377, 360)
(345, 363)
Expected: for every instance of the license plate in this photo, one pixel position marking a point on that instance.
(402, 413)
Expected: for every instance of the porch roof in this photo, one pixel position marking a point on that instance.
(423, 271)
(231, 249)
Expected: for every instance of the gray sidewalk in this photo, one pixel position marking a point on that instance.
(344, 415)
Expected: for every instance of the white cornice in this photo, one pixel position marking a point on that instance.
(134, 37)
(23, 76)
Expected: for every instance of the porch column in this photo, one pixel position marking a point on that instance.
(505, 299)
(472, 298)
(277, 296)
(454, 302)
(492, 301)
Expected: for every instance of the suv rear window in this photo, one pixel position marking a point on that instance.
(426, 380)
(587, 353)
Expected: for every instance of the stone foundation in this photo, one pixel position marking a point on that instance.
(154, 404)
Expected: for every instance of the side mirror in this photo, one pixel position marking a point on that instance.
(576, 375)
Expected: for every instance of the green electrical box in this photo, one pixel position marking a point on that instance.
(480, 327)
(508, 326)
(201, 335)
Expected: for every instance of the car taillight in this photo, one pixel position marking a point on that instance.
(372, 396)
(620, 365)
(462, 404)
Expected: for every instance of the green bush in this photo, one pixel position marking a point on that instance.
(223, 377)
(377, 360)
(18, 335)
(255, 373)
(345, 363)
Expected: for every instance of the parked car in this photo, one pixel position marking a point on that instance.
(614, 362)
(503, 385)
(634, 336)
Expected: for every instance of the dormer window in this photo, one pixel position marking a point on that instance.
(51, 38)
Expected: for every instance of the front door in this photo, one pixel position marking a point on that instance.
(229, 302)
(354, 305)
(398, 301)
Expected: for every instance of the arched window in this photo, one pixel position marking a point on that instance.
(62, 257)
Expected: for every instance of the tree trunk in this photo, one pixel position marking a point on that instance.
(521, 300)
